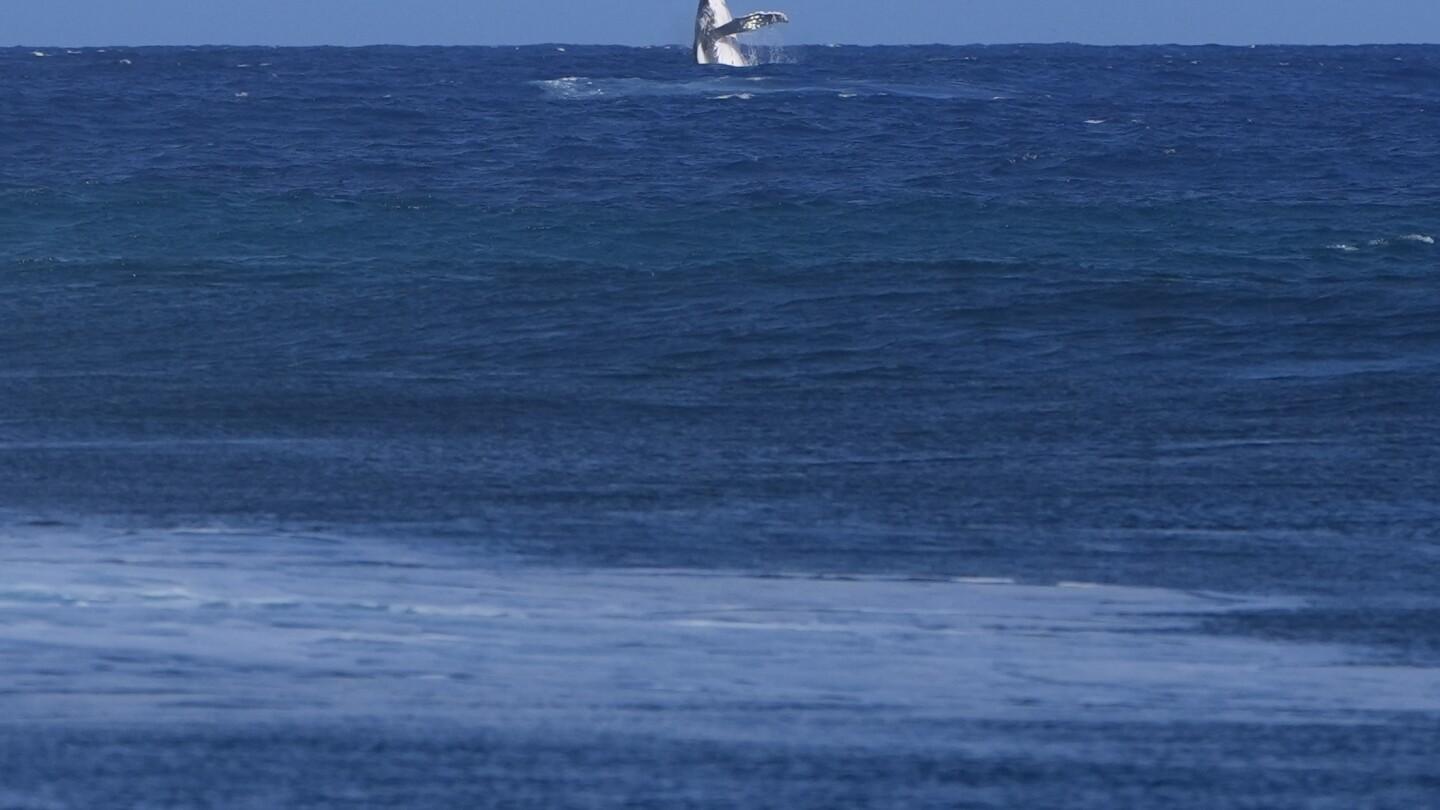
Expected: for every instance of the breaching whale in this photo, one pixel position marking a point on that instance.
(715, 30)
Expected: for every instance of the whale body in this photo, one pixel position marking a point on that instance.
(716, 29)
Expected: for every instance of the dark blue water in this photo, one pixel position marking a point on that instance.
(1141, 316)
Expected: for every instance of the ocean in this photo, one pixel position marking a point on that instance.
(575, 426)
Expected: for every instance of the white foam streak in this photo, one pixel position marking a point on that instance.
(731, 85)
(1383, 242)
(160, 626)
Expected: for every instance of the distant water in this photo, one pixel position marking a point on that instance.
(874, 427)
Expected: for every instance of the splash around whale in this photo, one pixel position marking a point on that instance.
(716, 30)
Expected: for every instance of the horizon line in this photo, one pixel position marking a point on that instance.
(651, 46)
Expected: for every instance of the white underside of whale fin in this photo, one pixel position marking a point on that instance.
(751, 22)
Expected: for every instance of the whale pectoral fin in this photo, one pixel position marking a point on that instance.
(751, 22)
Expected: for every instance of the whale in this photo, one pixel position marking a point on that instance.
(716, 29)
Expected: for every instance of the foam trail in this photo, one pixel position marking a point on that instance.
(584, 88)
(217, 626)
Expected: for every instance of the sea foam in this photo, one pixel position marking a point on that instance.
(321, 626)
